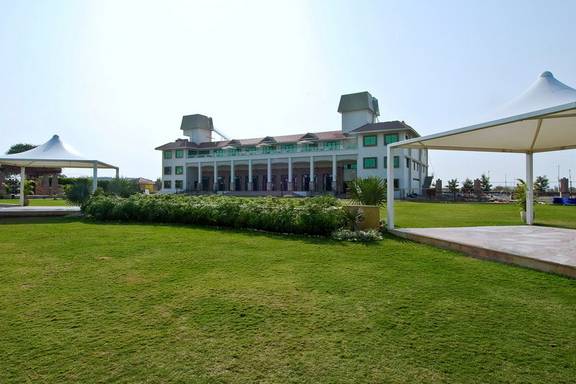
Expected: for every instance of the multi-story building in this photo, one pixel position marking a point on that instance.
(308, 162)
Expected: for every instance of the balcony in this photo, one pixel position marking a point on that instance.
(275, 150)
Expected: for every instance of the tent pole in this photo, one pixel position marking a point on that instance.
(95, 177)
(22, 182)
(390, 189)
(529, 188)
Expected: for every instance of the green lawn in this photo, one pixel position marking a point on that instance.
(82, 302)
(416, 214)
(37, 202)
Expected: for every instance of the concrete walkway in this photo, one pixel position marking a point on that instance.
(17, 211)
(543, 248)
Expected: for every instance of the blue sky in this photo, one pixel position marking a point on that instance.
(113, 78)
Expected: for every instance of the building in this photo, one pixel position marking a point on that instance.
(304, 163)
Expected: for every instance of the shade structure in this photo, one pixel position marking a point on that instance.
(52, 154)
(542, 119)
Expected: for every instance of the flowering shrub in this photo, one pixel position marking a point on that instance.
(316, 216)
(357, 236)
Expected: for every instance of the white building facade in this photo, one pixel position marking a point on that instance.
(305, 163)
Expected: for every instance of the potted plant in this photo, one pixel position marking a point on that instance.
(520, 196)
(367, 196)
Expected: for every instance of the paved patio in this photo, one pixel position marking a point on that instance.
(17, 211)
(543, 248)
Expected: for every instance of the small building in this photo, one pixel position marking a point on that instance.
(146, 185)
(306, 162)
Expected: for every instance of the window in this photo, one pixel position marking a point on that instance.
(408, 163)
(288, 147)
(351, 166)
(389, 139)
(370, 140)
(331, 145)
(179, 153)
(396, 183)
(179, 184)
(385, 161)
(396, 161)
(179, 170)
(167, 184)
(191, 153)
(370, 162)
(167, 170)
(167, 154)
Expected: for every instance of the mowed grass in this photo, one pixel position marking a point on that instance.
(425, 214)
(88, 302)
(38, 202)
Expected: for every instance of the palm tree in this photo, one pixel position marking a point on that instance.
(368, 191)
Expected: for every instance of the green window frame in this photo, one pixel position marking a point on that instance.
(370, 140)
(167, 170)
(191, 153)
(179, 184)
(179, 153)
(167, 184)
(288, 147)
(331, 145)
(396, 161)
(370, 162)
(392, 138)
(179, 170)
(167, 154)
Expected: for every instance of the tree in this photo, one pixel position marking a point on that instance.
(485, 183)
(368, 191)
(467, 186)
(19, 148)
(453, 187)
(541, 184)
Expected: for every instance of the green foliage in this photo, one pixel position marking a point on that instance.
(79, 191)
(122, 187)
(357, 236)
(317, 216)
(485, 183)
(19, 148)
(467, 186)
(541, 184)
(520, 194)
(29, 187)
(368, 191)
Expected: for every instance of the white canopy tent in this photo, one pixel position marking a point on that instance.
(53, 154)
(542, 119)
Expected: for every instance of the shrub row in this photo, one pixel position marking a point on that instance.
(316, 216)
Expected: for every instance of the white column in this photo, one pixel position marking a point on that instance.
(95, 177)
(311, 183)
(232, 176)
(290, 177)
(199, 185)
(215, 183)
(22, 182)
(269, 175)
(390, 190)
(529, 188)
(250, 183)
(334, 174)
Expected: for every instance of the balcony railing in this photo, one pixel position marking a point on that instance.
(275, 151)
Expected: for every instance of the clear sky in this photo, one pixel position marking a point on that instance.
(114, 78)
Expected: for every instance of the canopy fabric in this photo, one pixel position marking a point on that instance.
(541, 119)
(52, 154)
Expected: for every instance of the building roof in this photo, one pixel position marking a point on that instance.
(384, 126)
(358, 102)
(284, 139)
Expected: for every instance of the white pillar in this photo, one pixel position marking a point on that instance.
(269, 175)
(22, 182)
(390, 190)
(250, 183)
(215, 184)
(199, 185)
(334, 173)
(232, 176)
(311, 183)
(529, 188)
(95, 177)
(290, 177)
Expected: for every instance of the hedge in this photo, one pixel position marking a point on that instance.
(316, 216)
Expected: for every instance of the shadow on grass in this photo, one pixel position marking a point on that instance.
(310, 239)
